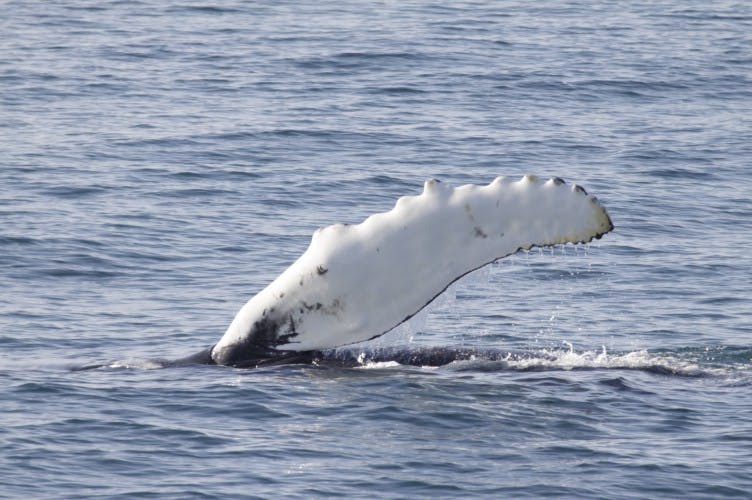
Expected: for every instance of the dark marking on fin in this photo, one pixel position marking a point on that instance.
(558, 181)
(479, 233)
(321, 270)
(308, 307)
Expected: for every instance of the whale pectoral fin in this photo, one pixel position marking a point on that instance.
(384, 270)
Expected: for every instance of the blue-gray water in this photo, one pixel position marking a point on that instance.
(160, 163)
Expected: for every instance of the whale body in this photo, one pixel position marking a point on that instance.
(357, 282)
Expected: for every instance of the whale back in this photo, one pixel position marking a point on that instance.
(357, 282)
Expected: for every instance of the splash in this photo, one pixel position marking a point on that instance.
(707, 362)
(570, 359)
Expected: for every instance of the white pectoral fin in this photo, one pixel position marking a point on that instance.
(356, 282)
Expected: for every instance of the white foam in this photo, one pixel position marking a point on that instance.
(569, 359)
(371, 365)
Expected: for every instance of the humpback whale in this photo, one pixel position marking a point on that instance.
(356, 282)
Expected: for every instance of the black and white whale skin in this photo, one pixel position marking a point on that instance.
(357, 282)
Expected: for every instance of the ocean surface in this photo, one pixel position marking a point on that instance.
(162, 162)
